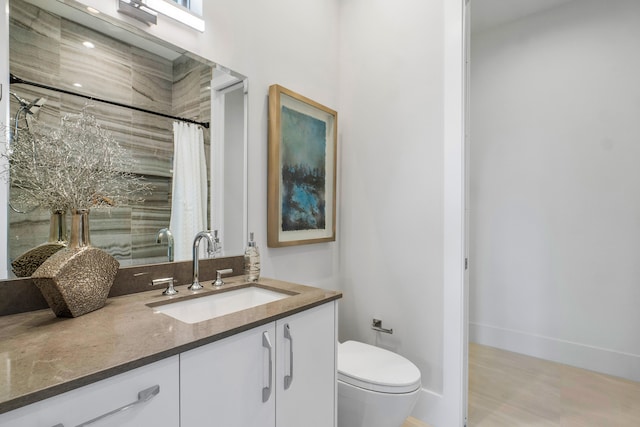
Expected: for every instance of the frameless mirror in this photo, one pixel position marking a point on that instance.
(66, 51)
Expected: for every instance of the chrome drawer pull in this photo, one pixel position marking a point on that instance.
(288, 379)
(143, 396)
(266, 391)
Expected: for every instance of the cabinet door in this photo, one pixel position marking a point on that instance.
(104, 397)
(226, 383)
(306, 368)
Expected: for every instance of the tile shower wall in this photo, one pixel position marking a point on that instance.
(47, 49)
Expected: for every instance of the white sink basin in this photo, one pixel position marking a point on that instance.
(207, 307)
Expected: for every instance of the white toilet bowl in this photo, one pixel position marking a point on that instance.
(376, 387)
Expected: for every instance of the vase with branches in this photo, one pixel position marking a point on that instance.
(76, 167)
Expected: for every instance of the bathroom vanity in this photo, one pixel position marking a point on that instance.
(274, 361)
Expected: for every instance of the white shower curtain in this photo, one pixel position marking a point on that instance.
(189, 189)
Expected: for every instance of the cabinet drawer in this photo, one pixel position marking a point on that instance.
(78, 406)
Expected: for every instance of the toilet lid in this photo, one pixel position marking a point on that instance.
(376, 369)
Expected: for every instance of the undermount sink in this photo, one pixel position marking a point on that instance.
(205, 307)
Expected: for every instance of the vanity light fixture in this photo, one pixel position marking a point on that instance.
(88, 45)
(77, 84)
(177, 12)
(137, 9)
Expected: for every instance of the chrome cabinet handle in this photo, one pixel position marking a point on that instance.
(288, 379)
(266, 391)
(143, 396)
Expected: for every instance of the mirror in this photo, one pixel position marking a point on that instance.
(65, 47)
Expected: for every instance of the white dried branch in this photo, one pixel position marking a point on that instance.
(79, 166)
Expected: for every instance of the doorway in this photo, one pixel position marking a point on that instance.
(553, 230)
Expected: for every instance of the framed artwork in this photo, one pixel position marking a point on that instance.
(302, 170)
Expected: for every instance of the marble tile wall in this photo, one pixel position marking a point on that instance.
(47, 49)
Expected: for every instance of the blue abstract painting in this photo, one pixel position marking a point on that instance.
(303, 154)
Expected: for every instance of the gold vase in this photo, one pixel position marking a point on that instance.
(28, 262)
(76, 280)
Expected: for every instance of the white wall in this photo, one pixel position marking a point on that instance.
(555, 136)
(294, 44)
(391, 203)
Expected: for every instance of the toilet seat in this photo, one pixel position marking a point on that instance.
(376, 369)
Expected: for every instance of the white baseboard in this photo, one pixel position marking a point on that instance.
(430, 408)
(602, 360)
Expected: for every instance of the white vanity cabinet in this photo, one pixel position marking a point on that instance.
(158, 383)
(282, 373)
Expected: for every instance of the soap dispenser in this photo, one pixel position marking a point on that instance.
(251, 261)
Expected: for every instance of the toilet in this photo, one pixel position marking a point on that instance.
(376, 387)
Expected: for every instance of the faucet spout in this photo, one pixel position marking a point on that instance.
(195, 284)
(165, 232)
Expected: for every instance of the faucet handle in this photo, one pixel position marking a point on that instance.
(169, 281)
(219, 281)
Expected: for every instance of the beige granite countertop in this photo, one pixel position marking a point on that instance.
(42, 355)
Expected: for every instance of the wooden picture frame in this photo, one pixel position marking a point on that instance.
(301, 192)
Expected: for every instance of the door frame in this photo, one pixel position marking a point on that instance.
(455, 339)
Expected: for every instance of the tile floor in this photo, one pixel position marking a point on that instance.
(509, 389)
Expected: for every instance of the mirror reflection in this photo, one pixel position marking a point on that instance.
(65, 56)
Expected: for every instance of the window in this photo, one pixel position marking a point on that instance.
(184, 3)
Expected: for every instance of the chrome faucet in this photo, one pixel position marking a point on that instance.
(165, 232)
(195, 285)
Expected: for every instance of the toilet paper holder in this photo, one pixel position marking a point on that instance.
(376, 325)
